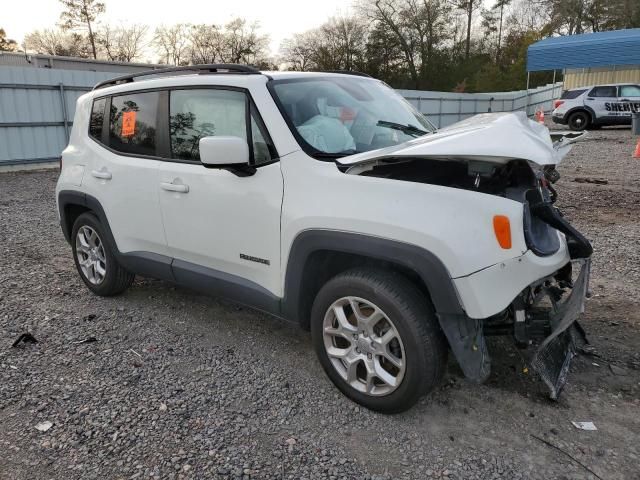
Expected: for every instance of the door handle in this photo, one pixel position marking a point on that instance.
(625, 100)
(588, 98)
(102, 174)
(174, 187)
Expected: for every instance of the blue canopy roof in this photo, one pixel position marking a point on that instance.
(616, 47)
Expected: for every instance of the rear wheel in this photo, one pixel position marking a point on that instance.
(579, 120)
(378, 339)
(95, 259)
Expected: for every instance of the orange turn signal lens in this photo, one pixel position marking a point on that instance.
(502, 229)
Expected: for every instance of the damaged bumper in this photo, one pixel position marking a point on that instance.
(553, 357)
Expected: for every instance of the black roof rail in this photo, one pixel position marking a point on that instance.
(348, 72)
(202, 69)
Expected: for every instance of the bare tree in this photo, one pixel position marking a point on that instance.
(124, 43)
(242, 42)
(236, 42)
(81, 14)
(57, 42)
(173, 42)
(299, 51)
(205, 44)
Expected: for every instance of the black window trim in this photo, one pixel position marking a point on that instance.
(162, 123)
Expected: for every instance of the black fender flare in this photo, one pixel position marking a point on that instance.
(465, 335)
(419, 260)
(142, 263)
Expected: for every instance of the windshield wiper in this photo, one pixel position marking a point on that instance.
(408, 129)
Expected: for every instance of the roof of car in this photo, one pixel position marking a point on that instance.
(212, 71)
(586, 87)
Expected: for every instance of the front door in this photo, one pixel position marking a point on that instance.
(630, 98)
(223, 230)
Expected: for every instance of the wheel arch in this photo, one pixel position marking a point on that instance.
(318, 255)
(71, 204)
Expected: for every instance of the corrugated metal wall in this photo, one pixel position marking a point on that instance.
(33, 103)
(445, 108)
(581, 77)
(37, 106)
(10, 59)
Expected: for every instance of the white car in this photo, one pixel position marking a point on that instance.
(326, 199)
(597, 106)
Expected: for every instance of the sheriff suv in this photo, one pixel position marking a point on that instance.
(328, 200)
(597, 106)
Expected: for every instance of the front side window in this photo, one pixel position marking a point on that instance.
(97, 118)
(628, 91)
(132, 123)
(335, 116)
(604, 92)
(199, 113)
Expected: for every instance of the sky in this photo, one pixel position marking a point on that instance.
(278, 18)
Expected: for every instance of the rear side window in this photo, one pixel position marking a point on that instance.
(97, 118)
(571, 94)
(604, 92)
(132, 123)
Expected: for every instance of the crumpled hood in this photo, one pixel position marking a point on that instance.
(493, 137)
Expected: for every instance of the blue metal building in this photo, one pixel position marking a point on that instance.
(600, 49)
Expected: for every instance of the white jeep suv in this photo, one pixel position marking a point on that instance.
(326, 199)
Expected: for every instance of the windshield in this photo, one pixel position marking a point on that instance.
(339, 116)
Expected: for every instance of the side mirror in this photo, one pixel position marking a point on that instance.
(221, 152)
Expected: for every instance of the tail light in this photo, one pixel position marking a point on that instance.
(557, 103)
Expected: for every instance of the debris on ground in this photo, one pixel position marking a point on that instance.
(585, 426)
(86, 340)
(596, 181)
(24, 338)
(44, 426)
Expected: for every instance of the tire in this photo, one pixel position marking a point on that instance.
(101, 272)
(579, 120)
(418, 345)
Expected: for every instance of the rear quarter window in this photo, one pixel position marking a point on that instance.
(571, 94)
(97, 118)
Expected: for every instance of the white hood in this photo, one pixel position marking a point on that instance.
(493, 137)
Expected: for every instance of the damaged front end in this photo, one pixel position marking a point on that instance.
(506, 156)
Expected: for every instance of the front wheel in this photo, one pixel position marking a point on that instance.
(377, 338)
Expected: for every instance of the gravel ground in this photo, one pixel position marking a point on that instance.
(165, 383)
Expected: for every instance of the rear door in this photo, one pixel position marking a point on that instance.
(603, 101)
(123, 174)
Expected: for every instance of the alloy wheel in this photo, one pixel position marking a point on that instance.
(364, 346)
(90, 255)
